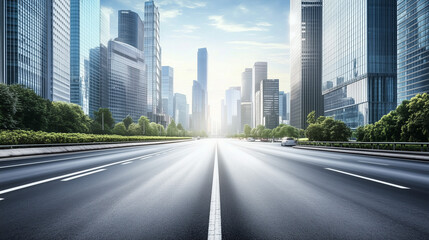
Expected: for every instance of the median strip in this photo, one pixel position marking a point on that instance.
(83, 175)
(367, 178)
(215, 227)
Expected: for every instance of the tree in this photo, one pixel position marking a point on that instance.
(172, 129)
(266, 133)
(68, 118)
(7, 108)
(247, 130)
(144, 126)
(154, 130)
(314, 132)
(134, 129)
(127, 121)
(162, 130)
(99, 116)
(311, 117)
(327, 129)
(180, 127)
(120, 129)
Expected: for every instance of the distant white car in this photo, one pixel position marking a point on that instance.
(288, 141)
(250, 139)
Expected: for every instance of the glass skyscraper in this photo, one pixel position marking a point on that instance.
(359, 60)
(259, 73)
(306, 59)
(127, 81)
(130, 29)
(85, 77)
(152, 51)
(198, 96)
(284, 107)
(167, 89)
(233, 110)
(181, 110)
(413, 48)
(270, 103)
(202, 68)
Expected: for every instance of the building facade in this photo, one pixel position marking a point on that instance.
(167, 86)
(181, 110)
(198, 96)
(130, 29)
(284, 106)
(270, 103)
(359, 66)
(152, 52)
(259, 73)
(233, 110)
(127, 81)
(306, 57)
(85, 55)
(202, 68)
(246, 114)
(413, 48)
(104, 44)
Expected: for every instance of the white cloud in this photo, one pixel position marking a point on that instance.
(167, 14)
(187, 29)
(243, 8)
(264, 24)
(260, 45)
(107, 10)
(182, 3)
(220, 23)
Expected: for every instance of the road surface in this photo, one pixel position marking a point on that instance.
(214, 189)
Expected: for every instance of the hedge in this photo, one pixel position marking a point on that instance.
(14, 137)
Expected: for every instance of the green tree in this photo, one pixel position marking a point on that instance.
(8, 110)
(154, 130)
(120, 129)
(127, 121)
(311, 117)
(172, 129)
(266, 133)
(134, 129)
(68, 118)
(180, 127)
(314, 132)
(162, 130)
(417, 125)
(145, 126)
(109, 122)
(247, 130)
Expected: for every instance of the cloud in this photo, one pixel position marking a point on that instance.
(260, 45)
(243, 8)
(187, 29)
(107, 10)
(167, 14)
(221, 24)
(263, 24)
(183, 3)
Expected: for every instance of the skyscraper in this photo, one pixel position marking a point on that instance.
(130, 29)
(246, 85)
(181, 110)
(127, 81)
(359, 60)
(85, 54)
(246, 114)
(259, 73)
(2, 41)
(233, 110)
(412, 48)
(104, 43)
(202, 62)
(269, 92)
(167, 86)
(152, 51)
(306, 57)
(283, 117)
(198, 96)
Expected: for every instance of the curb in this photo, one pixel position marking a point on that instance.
(24, 152)
(368, 152)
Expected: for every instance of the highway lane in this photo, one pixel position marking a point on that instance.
(165, 192)
(273, 192)
(165, 196)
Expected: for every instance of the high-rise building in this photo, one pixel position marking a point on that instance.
(246, 85)
(202, 68)
(198, 96)
(2, 41)
(104, 43)
(233, 110)
(269, 93)
(127, 81)
(152, 52)
(412, 48)
(25, 44)
(246, 114)
(257, 113)
(284, 106)
(181, 110)
(306, 57)
(85, 55)
(58, 85)
(167, 86)
(130, 29)
(359, 60)
(259, 73)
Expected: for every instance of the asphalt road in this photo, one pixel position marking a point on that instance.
(265, 191)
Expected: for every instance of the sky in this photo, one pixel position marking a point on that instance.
(235, 33)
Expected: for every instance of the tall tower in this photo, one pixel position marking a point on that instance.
(152, 50)
(202, 69)
(306, 56)
(359, 60)
(259, 73)
(167, 83)
(130, 29)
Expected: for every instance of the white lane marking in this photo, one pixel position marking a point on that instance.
(83, 175)
(125, 163)
(215, 227)
(1, 199)
(382, 164)
(367, 178)
(63, 176)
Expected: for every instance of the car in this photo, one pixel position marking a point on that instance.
(288, 141)
(250, 139)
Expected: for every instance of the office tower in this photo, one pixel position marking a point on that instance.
(259, 73)
(85, 54)
(181, 110)
(270, 103)
(202, 66)
(2, 41)
(306, 57)
(359, 60)
(25, 39)
(130, 29)
(246, 114)
(258, 113)
(412, 48)
(127, 81)
(104, 43)
(246, 85)
(152, 52)
(198, 96)
(58, 85)
(283, 107)
(167, 86)
(233, 110)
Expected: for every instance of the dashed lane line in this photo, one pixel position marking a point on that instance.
(215, 227)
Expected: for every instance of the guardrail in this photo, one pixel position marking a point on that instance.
(401, 146)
